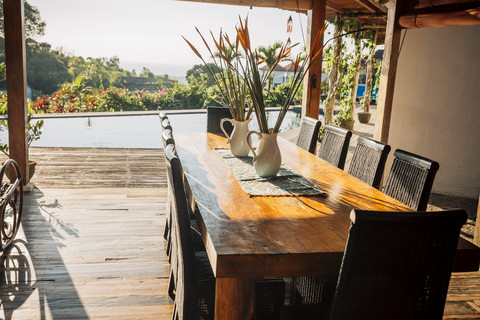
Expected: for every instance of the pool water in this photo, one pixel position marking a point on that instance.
(127, 131)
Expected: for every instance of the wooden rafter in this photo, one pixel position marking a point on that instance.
(334, 7)
(370, 6)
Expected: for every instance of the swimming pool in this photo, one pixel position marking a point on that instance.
(132, 131)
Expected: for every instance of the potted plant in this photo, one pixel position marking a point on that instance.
(34, 133)
(344, 119)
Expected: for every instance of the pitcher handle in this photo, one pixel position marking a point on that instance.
(249, 142)
(223, 129)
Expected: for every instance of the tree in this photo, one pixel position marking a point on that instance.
(269, 54)
(34, 25)
(197, 70)
(147, 73)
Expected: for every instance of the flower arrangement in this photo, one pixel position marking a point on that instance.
(256, 83)
(233, 89)
(242, 82)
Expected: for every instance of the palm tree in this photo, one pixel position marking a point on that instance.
(230, 53)
(270, 55)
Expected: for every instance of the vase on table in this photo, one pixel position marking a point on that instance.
(267, 159)
(238, 139)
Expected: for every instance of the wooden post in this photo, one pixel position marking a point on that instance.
(15, 59)
(313, 79)
(389, 71)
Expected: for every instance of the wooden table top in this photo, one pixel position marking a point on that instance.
(273, 236)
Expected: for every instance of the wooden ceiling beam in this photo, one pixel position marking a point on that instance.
(448, 14)
(382, 16)
(335, 7)
(370, 6)
(300, 5)
(447, 19)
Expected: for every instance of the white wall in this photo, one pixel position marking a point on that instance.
(436, 107)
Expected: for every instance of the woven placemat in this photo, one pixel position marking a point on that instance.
(286, 183)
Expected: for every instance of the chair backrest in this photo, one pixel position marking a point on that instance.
(410, 179)
(162, 115)
(166, 124)
(214, 116)
(397, 265)
(167, 137)
(183, 254)
(308, 136)
(334, 146)
(368, 161)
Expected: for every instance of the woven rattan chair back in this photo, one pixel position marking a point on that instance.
(166, 124)
(411, 179)
(182, 243)
(334, 146)
(368, 161)
(308, 136)
(214, 116)
(167, 138)
(397, 265)
(162, 115)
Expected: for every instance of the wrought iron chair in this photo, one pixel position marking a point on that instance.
(411, 179)
(308, 136)
(334, 146)
(11, 203)
(368, 161)
(214, 116)
(192, 275)
(396, 265)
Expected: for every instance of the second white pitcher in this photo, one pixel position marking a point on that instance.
(238, 140)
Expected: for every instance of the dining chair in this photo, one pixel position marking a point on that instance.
(162, 115)
(191, 274)
(214, 116)
(334, 146)
(308, 136)
(166, 124)
(167, 137)
(396, 265)
(368, 161)
(411, 179)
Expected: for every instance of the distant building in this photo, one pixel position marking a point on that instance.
(147, 84)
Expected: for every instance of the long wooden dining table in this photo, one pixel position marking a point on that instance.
(247, 238)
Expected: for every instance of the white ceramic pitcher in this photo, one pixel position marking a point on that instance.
(238, 140)
(267, 159)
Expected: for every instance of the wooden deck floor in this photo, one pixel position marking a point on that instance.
(92, 240)
(91, 246)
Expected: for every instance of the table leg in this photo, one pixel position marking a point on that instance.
(234, 298)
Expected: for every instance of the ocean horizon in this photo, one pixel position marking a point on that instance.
(173, 70)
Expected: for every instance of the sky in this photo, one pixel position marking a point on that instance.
(148, 32)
